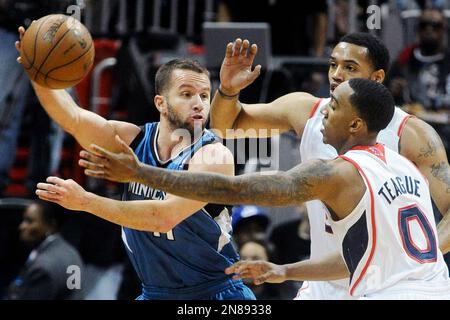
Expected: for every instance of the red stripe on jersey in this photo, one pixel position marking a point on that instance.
(402, 124)
(313, 111)
(377, 150)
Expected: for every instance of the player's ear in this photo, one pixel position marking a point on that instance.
(356, 125)
(378, 76)
(159, 102)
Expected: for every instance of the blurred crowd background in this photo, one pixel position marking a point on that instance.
(132, 38)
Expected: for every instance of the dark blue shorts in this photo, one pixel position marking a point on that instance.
(223, 290)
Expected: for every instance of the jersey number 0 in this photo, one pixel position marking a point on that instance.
(406, 217)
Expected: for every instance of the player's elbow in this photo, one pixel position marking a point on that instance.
(72, 126)
(161, 219)
(74, 123)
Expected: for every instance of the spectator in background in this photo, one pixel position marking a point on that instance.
(249, 223)
(420, 78)
(423, 4)
(250, 233)
(45, 274)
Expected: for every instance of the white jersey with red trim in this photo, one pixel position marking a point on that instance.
(323, 243)
(390, 238)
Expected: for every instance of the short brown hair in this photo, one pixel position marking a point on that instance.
(164, 73)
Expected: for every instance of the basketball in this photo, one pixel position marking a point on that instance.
(57, 51)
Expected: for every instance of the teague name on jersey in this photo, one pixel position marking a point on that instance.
(401, 185)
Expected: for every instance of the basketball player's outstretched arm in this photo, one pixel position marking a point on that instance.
(317, 179)
(87, 127)
(329, 268)
(289, 112)
(146, 215)
(422, 145)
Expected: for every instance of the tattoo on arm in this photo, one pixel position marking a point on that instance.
(429, 150)
(286, 188)
(441, 171)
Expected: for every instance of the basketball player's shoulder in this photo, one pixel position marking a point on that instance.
(343, 167)
(416, 126)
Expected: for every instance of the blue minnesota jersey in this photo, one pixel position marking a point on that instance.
(195, 252)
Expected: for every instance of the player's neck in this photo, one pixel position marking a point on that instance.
(352, 142)
(168, 142)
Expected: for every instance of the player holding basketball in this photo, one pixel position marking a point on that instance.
(356, 55)
(378, 203)
(179, 247)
